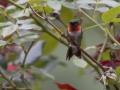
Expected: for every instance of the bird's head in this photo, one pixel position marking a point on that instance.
(74, 26)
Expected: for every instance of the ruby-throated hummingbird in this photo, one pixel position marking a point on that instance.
(74, 33)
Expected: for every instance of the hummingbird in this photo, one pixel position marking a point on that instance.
(74, 33)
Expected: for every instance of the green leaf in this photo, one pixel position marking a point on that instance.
(34, 1)
(86, 2)
(102, 9)
(13, 20)
(110, 15)
(1, 12)
(50, 44)
(56, 5)
(40, 9)
(20, 13)
(4, 24)
(80, 62)
(26, 39)
(117, 70)
(70, 5)
(29, 26)
(110, 3)
(2, 43)
(43, 72)
(116, 47)
(22, 1)
(26, 21)
(85, 6)
(7, 31)
(105, 55)
(11, 7)
(23, 33)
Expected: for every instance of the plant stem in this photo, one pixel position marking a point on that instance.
(13, 3)
(21, 44)
(112, 37)
(103, 69)
(92, 64)
(13, 85)
(92, 26)
(59, 19)
(97, 2)
(115, 86)
(24, 81)
(103, 47)
(23, 63)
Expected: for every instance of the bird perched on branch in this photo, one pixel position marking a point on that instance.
(74, 33)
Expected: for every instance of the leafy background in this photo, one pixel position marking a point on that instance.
(47, 53)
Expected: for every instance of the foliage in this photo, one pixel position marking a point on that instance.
(27, 40)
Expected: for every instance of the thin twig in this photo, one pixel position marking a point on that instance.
(21, 43)
(115, 86)
(24, 81)
(87, 59)
(112, 37)
(62, 22)
(103, 69)
(103, 47)
(13, 85)
(23, 63)
(97, 2)
(93, 26)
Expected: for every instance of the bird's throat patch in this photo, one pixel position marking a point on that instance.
(74, 28)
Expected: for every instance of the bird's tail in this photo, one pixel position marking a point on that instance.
(70, 53)
(78, 53)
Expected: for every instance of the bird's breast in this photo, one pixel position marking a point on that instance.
(75, 33)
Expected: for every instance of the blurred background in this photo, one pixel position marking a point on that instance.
(27, 32)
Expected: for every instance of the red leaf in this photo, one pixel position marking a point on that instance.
(106, 63)
(3, 3)
(65, 86)
(117, 63)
